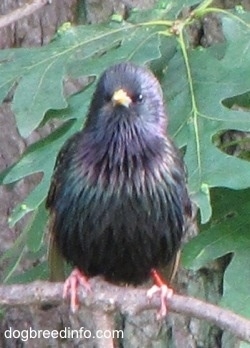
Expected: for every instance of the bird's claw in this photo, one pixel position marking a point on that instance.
(75, 279)
(165, 294)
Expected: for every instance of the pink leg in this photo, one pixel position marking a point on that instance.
(164, 291)
(75, 279)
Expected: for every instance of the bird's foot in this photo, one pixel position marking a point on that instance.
(165, 294)
(164, 291)
(75, 279)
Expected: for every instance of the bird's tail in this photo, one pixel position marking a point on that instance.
(55, 261)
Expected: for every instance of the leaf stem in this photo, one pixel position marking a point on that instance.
(157, 22)
(193, 101)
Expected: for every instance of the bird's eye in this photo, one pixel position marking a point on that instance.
(138, 98)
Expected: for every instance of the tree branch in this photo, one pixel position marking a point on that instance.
(22, 11)
(128, 300)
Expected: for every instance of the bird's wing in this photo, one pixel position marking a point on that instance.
(55, 258)
(54, 182)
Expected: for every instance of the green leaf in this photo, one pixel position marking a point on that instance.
(40, 71)
(244, 345)
(18, 252)
(36, 230)
(39, 157)
(30, 105)
(163, 9)
(12, 256)
(227, 233)
(195, 84)
(140, 46)
(176, 6)
(39, 271)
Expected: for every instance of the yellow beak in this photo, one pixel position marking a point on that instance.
(121, 97)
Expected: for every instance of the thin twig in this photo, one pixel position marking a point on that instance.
(23, 11)
(109, 297)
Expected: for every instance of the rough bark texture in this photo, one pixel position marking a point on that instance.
(143, 330)
(37, 29)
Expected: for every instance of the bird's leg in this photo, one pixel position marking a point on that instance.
(75, 279)
(160, 287)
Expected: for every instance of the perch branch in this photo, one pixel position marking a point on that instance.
(128, 300)
(23, 11)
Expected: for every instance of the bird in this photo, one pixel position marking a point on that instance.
(118, 199)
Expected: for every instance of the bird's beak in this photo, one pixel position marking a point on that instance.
(121, 97)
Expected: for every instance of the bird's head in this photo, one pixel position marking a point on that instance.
(127, 93)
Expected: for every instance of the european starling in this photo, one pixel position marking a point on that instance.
(118, 198)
